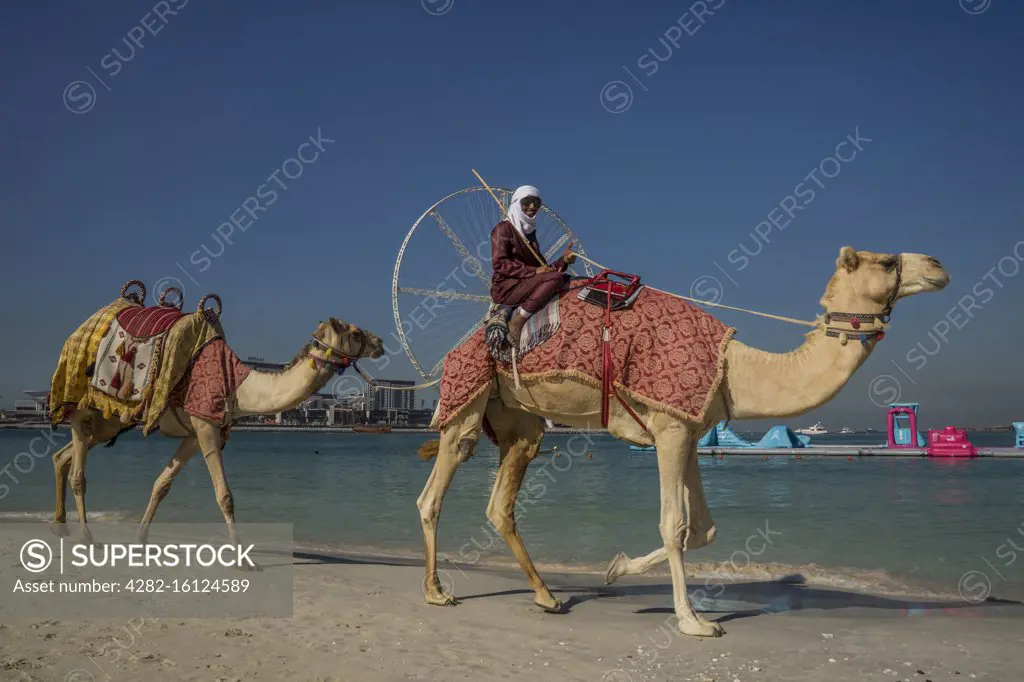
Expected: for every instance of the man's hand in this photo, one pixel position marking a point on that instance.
(544, 268)
(568, 256)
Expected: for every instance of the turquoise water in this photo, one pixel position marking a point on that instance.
(867, 522)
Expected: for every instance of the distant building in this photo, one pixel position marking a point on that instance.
(263, 366)
(387, 399)
(36, 406)
(420, 417)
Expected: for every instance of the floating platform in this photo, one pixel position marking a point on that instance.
(855, 451)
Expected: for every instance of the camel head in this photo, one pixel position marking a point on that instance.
(340, 338)
(867, 282)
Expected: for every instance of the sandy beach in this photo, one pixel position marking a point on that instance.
(365, 619)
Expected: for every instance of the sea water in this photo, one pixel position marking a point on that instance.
(869, 523)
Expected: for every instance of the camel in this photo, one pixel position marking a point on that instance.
(756, 384)
(333, 342)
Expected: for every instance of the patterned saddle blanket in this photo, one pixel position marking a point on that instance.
(666, 354)
(129, 354)
(539, 328)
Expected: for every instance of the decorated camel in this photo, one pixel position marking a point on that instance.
(173, 372)
(677, 373)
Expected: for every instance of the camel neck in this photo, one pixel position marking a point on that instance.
(761, 384)
(273, 392)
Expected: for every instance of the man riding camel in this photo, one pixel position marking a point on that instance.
(521, 277)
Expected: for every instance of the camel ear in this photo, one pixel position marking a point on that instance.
(847, 259)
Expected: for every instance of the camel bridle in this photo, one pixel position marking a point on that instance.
(344, 359)
(877, 321)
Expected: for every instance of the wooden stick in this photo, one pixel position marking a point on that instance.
(524, 239)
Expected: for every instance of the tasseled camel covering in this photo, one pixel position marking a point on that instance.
(126, 360)
(667, 354)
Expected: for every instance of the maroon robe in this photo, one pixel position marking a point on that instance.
(515, 280)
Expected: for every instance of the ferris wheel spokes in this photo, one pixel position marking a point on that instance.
(437, 293)
(475, 266)
(465, 218)
(562, 241)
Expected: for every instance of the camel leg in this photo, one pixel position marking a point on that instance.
(458, 443)
(622, 564)
(186, 451)
(674, 444)
(209, 441)
(82, 426)
(61, 467)
(96, 430)
(700, 529)
(519, 437)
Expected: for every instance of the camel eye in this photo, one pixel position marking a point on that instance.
(888, 263)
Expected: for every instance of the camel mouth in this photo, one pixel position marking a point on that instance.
(376, 348)
(938, 282)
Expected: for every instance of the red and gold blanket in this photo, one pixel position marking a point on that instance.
(126, 359)
(207, 389)
(667, 354)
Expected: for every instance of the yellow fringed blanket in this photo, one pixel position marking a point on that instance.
(146, 372)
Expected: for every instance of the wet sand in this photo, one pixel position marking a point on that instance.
(365, 619)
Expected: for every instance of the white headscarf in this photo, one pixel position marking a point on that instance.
(520, 220)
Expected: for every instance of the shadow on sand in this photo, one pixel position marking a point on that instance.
(747, 599)
(306, 558)
(735, 600)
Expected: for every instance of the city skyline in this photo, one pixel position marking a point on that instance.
(369, 400)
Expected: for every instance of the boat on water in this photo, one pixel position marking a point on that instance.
(845, 430)
(816, 430)
(371, 428)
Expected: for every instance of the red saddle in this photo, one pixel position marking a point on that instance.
(602, 290)
(145, 322)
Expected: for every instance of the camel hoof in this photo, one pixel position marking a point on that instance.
(438, 588)
(553, 606)
(59, 528)
(616, 568)
(249, 568)
(701, 628)
(442, 599)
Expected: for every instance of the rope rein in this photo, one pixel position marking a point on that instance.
(373, 382)
(781, 318)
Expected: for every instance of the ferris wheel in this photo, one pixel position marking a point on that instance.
(440, 290)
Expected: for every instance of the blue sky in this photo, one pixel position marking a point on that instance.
(745, 104)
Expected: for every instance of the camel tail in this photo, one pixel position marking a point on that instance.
(429, 450)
